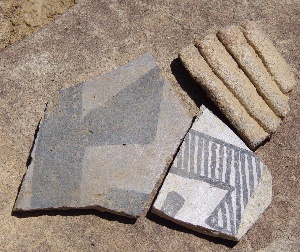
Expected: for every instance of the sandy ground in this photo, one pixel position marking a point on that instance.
(20, 18)
(95, 37)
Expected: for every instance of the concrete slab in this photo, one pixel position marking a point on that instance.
(105, 143)
(215, 185)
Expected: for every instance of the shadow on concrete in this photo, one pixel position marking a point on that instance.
(75, 212)
(171, 225)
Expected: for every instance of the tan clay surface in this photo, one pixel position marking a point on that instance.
(95, 37)
(235, 42)
(237, 82)
(270, 56)
(248, 128)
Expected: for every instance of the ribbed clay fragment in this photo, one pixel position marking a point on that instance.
(270, 56)
(235, 42)
(248, 128)
(236, 81)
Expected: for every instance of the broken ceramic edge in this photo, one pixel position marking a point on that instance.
(105, 143)
(215, 185)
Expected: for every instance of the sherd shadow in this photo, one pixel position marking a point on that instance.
(195, 91)
(74, 212)
(177, 227)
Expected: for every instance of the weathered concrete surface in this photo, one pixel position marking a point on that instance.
(96, 37)
(104, 144)
(215, 184)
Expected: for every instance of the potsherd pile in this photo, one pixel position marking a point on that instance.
(245, 76)
(105, 143)
(216, 185)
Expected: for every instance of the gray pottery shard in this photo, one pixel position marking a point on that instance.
(105, 143)
(216, 185)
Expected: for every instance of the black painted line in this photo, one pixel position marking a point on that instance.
(199, 156)
(221, 160)
(237, 188)
(192, 152)
(251, 175)
(224, 216)
(244, 180)
(228, 165)
(213, 160)
(206, 156)
(231, 214)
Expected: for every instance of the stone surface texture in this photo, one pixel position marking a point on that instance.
(95, 37)
(250, 131)
(105, 143)
(215, 185)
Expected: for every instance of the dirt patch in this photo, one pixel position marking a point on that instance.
(20, 18)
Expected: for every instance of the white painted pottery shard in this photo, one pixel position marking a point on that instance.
(216, 185)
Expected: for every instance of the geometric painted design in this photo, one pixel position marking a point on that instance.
(219, 163)
(66, 135)
(104, 144)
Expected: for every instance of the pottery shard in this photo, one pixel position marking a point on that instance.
(249, 129)
(104, 144)
(237, 82)
(233, 39)
(215, 185)
(270, 56)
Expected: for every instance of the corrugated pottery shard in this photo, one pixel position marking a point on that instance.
(105, 143)
(245, 76)
(215, 185)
